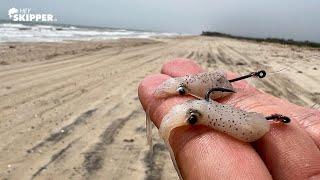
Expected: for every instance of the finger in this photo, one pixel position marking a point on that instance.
(308, 119)
(202, 153)
(180, 67)
(288, 151)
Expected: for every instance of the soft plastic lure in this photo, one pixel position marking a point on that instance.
(195, 85)
(198, 84)
(242, 125)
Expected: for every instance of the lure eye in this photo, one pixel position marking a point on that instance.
(193, 116)
(181, 90)
(192, 119)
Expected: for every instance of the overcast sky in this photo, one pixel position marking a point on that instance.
(297, 19)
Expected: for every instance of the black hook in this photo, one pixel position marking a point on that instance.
(216, 89)
(279, 117)
(259, 74)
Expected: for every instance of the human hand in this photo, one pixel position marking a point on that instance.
(288, 151)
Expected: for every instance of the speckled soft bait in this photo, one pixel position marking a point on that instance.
(198, 84)
(195, 85)
(242, 125)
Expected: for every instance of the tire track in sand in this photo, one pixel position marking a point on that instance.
(64, 131)
(93, 158)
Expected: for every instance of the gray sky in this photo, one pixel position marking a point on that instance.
(297, 19)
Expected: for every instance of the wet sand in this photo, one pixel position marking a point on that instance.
(71, 111)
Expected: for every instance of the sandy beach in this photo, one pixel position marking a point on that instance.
(71, 111)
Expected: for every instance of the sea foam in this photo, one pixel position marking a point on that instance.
(12, 32)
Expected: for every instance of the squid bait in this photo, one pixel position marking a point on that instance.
(242, 125)
(197, 85)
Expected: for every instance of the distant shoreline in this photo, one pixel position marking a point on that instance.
(46, 32)
(270, 40)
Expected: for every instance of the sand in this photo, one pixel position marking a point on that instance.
(71, 111)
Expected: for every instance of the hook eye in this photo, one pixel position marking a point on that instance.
(181, 90)
(261, 74)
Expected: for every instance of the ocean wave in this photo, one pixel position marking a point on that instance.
(11, 25)
(13, 32)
